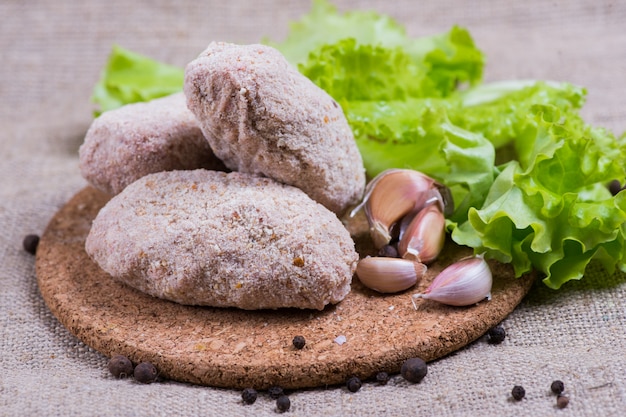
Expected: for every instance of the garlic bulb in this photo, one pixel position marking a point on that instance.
(395, 193)
(425, 236)
(463, 283)
(389, 275)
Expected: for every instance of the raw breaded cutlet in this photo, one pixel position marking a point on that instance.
(224, 240)
(262, 116)
(124, 144)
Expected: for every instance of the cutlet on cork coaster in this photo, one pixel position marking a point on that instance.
(364, 334)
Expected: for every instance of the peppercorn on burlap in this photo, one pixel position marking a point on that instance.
(52, 54)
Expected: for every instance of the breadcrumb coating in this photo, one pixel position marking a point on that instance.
(124, 144)
(262, 116)
(225, 240)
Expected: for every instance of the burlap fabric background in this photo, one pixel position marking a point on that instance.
(51, 55)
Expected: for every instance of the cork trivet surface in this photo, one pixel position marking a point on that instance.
(236, 348)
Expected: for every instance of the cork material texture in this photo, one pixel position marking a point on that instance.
(226, 347)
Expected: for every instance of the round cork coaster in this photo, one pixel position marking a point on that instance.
(364, 334)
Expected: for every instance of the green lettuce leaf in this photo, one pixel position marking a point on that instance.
(325, 25)
(130, 77)
(499, 109)
(452, 58)
(552, 209)
(350, 71)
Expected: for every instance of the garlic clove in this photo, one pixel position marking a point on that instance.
(463, 283)
(423, 239)
(433, 196)
(389, 275)
(390, 196)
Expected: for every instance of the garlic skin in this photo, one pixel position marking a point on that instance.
(463, 283)
(391, 195)
(389, 275)
(423, 239)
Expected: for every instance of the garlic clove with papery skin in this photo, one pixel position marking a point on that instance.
(391, 195)
(433, 196)
(463, 283)
(423, 239)
(389, 275)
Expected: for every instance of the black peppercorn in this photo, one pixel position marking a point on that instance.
(298, 342)
(275, 392)
(562, 401)
(283, 403)
(414, 369)
(120, 366)
(353, 383)
(557, 387)
(249, 395)
(145, 373)
(518, 392)
(30, 243)
(615, 187)
(382, 378)
(496, 335)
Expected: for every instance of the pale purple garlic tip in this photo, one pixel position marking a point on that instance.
(463, 283)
